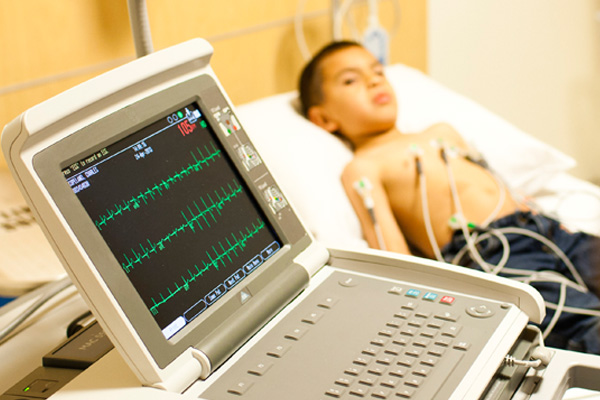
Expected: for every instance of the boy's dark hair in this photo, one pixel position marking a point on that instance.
(311, 78)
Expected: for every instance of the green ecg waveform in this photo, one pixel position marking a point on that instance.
(197, 214)
(232, 246)
(157, 189)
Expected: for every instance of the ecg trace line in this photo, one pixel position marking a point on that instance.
(194, 219)
(239, 244)
(152, 191)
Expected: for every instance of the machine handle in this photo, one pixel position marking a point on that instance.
(567, 369)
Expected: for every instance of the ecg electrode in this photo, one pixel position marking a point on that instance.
(175, 213)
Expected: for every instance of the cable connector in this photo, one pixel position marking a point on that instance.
(456, 220)
(540, 358)
(363, 187)
(417, 152)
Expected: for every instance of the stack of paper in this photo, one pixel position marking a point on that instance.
(26, 258)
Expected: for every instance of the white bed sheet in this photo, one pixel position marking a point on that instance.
(307, 161)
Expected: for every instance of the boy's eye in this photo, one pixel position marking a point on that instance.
(348, 78)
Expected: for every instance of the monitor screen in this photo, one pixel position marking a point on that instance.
(175, 213)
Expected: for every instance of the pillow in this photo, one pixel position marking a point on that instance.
(523, 161)
(307, 161)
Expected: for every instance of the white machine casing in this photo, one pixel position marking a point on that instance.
(65, 114)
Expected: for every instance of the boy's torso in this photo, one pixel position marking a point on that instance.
(395, 166)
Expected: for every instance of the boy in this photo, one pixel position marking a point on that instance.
(422, 191)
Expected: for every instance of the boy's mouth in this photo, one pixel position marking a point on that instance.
(382, 98)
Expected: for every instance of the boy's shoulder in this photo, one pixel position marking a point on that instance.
(359, 165)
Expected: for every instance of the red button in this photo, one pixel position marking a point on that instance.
(447, 300)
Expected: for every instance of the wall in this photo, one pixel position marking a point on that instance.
(534, 62)
(48, 46)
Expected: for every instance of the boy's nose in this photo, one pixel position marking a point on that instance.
(375, 80)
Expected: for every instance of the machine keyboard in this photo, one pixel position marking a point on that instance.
(413, 348)
(357, 337)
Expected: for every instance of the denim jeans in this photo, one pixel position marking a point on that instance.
(572, 331)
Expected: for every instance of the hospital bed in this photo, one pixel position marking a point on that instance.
(312, 159)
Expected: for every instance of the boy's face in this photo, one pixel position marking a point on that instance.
(358, 100)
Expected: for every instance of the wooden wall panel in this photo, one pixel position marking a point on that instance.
(47, 46)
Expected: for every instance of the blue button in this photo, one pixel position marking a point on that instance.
(429, 296)
(413, 293)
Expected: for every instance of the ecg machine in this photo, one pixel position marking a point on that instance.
(207, 283)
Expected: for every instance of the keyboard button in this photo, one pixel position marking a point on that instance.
(415, 323)
(394, 324)
(435, 324)
(362, 361)
(414, 352)
(421, 342)
(403, 314)
(408, 331)
(385, 360)
(297, 333)
(379, 371)
(481, 311)
(395, 290)
(387, 332)
(348, 282)
(371, 351)
(241, 387)
(410, 305)
(406, 361)
(451, 330)
(401, 340)
(343, 381)
(394, 350)
(436, 352)
(429, 333)
(390, 382)
(447, 316)
(462, 346)
(414, 382)
(368, 381)
(260, 369)
(379, 342)
(430, 361)
(399, 372)
(327, 302)
(313, 317)
(381, 394)
(430, 296)
(359, 391)
(335, 392)
(354, 371)
(444, 342)
(278, 351)
(422, 371)
(406, 393)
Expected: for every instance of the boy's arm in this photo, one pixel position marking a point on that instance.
(377, 205)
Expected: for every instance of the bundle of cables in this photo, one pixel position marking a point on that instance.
(374, 37)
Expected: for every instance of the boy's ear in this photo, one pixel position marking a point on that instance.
(318, 116)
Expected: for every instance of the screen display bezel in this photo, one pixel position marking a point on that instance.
(49, 163)
(141, 188)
